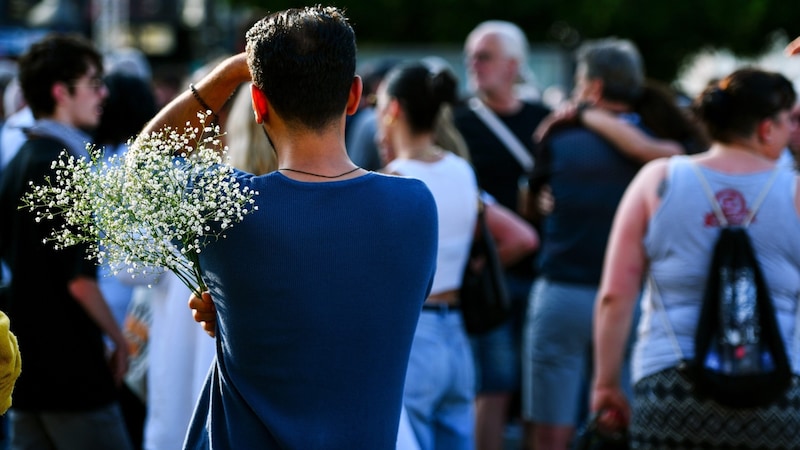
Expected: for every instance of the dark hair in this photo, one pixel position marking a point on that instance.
(55, 58)
(421, 93)
(304, 61)
(617, 63)
(665, 118)
(735, 105)
(130, 104)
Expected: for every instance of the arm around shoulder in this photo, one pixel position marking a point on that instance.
(629, 139)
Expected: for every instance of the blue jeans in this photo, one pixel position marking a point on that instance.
(98, 429)
(440, 383)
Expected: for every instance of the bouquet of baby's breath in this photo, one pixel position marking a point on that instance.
(155, 206)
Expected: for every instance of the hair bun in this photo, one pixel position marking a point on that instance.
(443, 85)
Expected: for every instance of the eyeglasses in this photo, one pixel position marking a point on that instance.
(95, 83)
(480, 57)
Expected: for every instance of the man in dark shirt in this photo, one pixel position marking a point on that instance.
(496, 56)
(66, 395)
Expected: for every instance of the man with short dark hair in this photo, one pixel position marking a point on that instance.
(319, 290)
(66, 395)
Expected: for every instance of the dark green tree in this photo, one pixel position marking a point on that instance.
(665, 31)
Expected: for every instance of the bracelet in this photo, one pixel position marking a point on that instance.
(203, 102)
(582, 106)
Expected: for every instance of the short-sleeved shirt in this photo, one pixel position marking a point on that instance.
(65, 366)
(318, 294)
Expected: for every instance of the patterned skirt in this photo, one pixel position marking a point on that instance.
(666, 415)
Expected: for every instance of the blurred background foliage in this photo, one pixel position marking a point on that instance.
(666, 31)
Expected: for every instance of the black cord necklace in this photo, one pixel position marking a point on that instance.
(321, 176)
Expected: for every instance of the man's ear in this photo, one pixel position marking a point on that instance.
(260, 103)
(59, 91)
(354, 98)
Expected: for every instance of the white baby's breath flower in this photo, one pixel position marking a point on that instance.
(146, 208)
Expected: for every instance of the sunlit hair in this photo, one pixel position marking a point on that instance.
(421, 93)
(512, 41)
(617, 63)
(734, 106)
(304, 61)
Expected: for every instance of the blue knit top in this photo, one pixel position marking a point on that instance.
(318, 294)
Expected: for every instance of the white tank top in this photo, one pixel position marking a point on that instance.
(452, 182)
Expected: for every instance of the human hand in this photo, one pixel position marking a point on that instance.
(793, 48)
(119, 363)
(204, 312)
(614, 412)
(545, 202)
(567, 112)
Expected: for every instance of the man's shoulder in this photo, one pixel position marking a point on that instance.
(43, 144)
(570, 133)
(537, 109)
(462, 112)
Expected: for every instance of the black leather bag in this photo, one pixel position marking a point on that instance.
(484, 299)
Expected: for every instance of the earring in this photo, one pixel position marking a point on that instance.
(388, 120)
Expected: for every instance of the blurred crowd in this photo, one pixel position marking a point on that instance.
(550, 177)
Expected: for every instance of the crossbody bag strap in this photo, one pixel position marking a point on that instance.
(512, 143)
(715, 204)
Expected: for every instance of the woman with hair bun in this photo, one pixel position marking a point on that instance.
(440, 380)
(664, 232)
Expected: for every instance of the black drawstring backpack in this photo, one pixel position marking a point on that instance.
(740, 360)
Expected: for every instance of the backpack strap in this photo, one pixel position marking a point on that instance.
(715, 204)
(662, 313)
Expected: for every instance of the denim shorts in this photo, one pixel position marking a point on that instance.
(557, 352)
(497, 364)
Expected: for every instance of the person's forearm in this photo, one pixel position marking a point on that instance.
(514, 237)
(214, 89)
(612, 324)
(630, 140)
(87, 293)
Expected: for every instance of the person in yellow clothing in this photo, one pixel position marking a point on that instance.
(10, 363)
